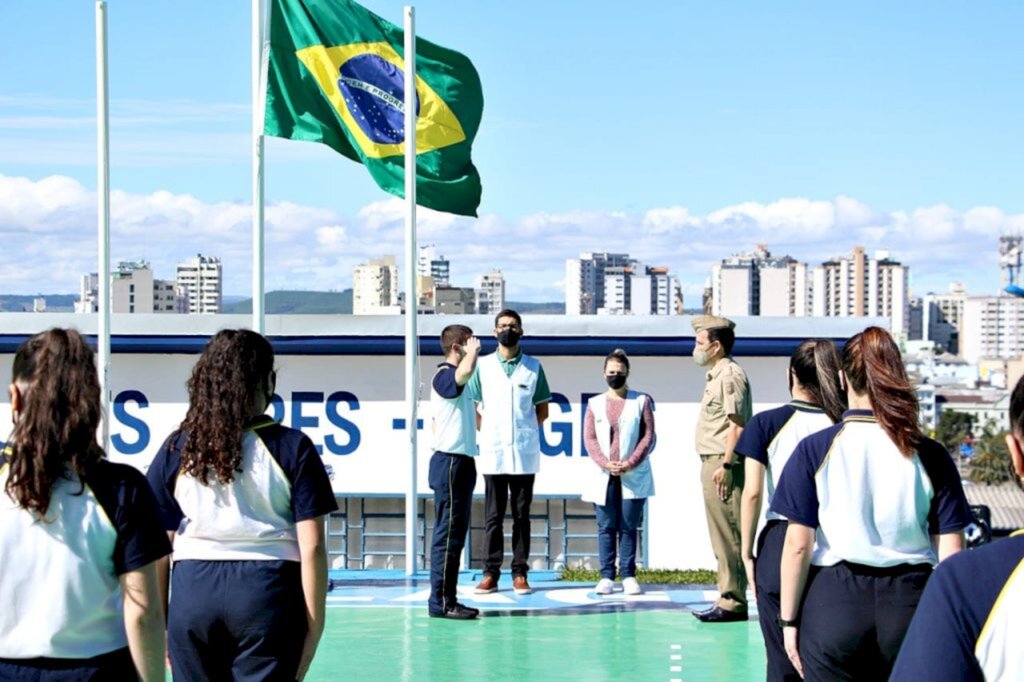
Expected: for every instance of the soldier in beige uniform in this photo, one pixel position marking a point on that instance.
(724, 411)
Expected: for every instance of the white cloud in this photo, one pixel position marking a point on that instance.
(48, 227)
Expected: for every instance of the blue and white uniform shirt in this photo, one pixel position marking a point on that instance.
(870, 504)
(60, 575)
(771, 437)
(454, 426)
(969, 622)
(282, 482)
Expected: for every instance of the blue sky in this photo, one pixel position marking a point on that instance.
(682, 132)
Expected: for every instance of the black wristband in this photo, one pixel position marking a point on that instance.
(727, 466)
(783, 623)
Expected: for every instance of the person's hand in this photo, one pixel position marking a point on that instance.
(624, 467)
(748, 565)
(472, 346)
(723, 482)
(789, 638)
(612, 467)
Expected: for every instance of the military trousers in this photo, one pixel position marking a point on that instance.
(724, 527)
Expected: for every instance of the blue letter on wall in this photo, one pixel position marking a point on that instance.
(132, 422)
(334, 416)
(299, 420)
(563, 429)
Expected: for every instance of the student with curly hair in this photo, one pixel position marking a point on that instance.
(244, 500)
(80, 537)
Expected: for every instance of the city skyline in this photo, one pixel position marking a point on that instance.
(889, 127)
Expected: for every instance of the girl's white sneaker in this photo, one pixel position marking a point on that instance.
(604, 586)
(631, 586)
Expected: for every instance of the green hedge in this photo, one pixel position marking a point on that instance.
(648, 576)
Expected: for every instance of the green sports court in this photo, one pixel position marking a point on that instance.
(378, 629)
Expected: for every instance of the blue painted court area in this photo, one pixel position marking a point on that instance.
(378, 629)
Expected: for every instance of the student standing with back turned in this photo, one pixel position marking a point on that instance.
(244, 499)
(872, 504)
(452, 469)
(80, 537)
(513, 395)
(766, 445)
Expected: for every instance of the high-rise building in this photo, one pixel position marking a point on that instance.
(584, 281)
(861, 286)
(375, 287)
(490, 293)
(991, 327)
(432, 264)
(756, 283)
(615, 284)
(132, 290)
(942, 316)
(201, 280)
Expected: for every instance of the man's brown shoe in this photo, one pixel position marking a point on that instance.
(520, 585)
(487, 585)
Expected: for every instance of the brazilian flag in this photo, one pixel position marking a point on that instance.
(336, 76)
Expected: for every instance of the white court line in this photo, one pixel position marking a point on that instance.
(676, 647)
(675, 657)
(676, 669)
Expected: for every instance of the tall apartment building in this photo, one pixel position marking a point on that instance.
(942, 317)
(201, 279)
(992, 327)
(637, 289)
(132, 290)
(859, 286)
(615, 284)
(375, 287)
(584, 281)
(490, 293)
(430, 263)
(454, 301)
(757, 283)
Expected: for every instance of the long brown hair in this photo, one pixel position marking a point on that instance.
(233, 368)
(56, 429)
(815, 363)
(873, 366)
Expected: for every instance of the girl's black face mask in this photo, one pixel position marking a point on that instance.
(616, 380)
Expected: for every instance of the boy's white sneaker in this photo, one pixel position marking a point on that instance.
(631, 586)
(604, 586)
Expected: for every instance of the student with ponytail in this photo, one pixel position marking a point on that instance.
(766, 445)
(79, 536)
(872, 505)
(244, 500)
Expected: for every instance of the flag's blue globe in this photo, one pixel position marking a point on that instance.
(373, 89)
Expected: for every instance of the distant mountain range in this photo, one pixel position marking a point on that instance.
(277, 302)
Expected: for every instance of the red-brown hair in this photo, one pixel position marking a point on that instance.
(873, 366)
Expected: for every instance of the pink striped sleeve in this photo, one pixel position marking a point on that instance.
(644, 444)
(590, 440)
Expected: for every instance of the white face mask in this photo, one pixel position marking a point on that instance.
(700, 356)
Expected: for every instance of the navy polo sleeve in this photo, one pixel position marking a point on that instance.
(312, 495)
(949, 510)
(128, 502)
(444, 382)
(162, 473)
(796, 496)
(754, 440)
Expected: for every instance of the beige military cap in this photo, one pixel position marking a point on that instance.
(705, 322)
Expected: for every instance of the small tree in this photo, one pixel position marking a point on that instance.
(991, 461)
(953, 428)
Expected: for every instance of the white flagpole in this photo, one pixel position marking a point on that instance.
(103, 219)
(411, 301)
(258, 103)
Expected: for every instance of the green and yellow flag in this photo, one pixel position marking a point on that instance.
(336, 77)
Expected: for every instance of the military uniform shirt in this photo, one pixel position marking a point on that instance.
(727, 393)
